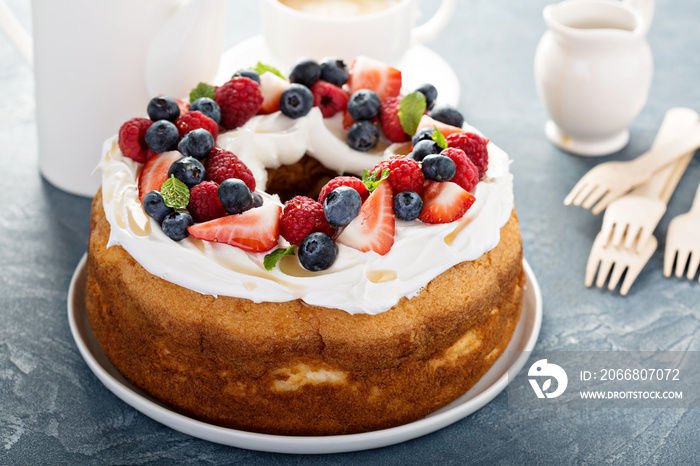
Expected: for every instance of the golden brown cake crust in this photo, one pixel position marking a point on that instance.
(296, 369)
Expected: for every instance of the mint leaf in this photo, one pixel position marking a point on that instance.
(271, 260)
(439, 138)
(175, 193)
(202, 90)
(372, 180)
(411, 110)
(261, 68)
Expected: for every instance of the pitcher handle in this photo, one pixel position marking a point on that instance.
(17, 35)
(645, 9)
(434, 25)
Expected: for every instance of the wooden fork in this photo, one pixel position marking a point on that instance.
(683, 242)
(608, 181)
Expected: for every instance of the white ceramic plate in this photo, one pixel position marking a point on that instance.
(420, 65)
(493, 382)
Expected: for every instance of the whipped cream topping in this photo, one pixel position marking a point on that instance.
(358, 282)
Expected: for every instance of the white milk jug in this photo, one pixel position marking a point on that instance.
(593, 71)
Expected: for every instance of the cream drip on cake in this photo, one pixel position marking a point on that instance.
(358, 282)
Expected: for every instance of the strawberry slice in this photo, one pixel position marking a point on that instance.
(444, 202)
(374, 227)
(428, 122)
(255, 230)
(155, 172)
(368, 73)
(271, 87)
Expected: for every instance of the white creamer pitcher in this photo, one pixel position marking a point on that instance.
(593, 71)
(98, 63)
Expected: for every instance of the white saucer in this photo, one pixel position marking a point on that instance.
(420, 65)
(586, 147)
(493, 382)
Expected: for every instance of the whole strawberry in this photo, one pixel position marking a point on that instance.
(239, 99)
(404, 174)
(222, 165)
(474, 146)
(389, 118)
(302, 216)
(132, 139)
(192, 120)
(466, 174)
(204, 202)
(339, 181)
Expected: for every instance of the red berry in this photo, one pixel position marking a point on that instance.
(239, 99)
(374, 227)
(389, 118)
(155, 172)
(466, 175)
(444, 202)
(329, 98)
(204, 202)
(368, 73)
(255, 230)
(132, 139)
(189, 121)
(404, 174)
(222, 165)
(427, 121)
(339, 181)
(302, 216)
(474, 146)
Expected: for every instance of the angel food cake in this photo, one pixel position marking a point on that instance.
(321, 254)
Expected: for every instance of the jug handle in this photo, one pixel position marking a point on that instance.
(434, 25)
(645, 9)
(18, 36)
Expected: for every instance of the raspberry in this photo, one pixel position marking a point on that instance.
(222, 165)
(302, 216)
(474, 146)
(404, 174)
(239, 99)
(189, 121)
(329, 98)
(467, 175)
(339, 181)
(204, 202)
(389, 118)
(132, 139)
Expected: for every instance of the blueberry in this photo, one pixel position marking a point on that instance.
(296, 101)
(438, 167)
(421, 134)
(364, 105)
(430, 93)
(334, 71)
(317, 251)
(207, 107)
(305, 72)
(188, 170)
(175, 225)
(363, 135)
(408, 205)
(448, 115)
(235, 196)
(424, 148)
(163, 108)
(247, 74)
(341, 206)
(197, 143)
(162, 136)
(257, 200)
(155, 207)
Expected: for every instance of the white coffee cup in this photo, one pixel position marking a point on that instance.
(339, 30)
(98, 63)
